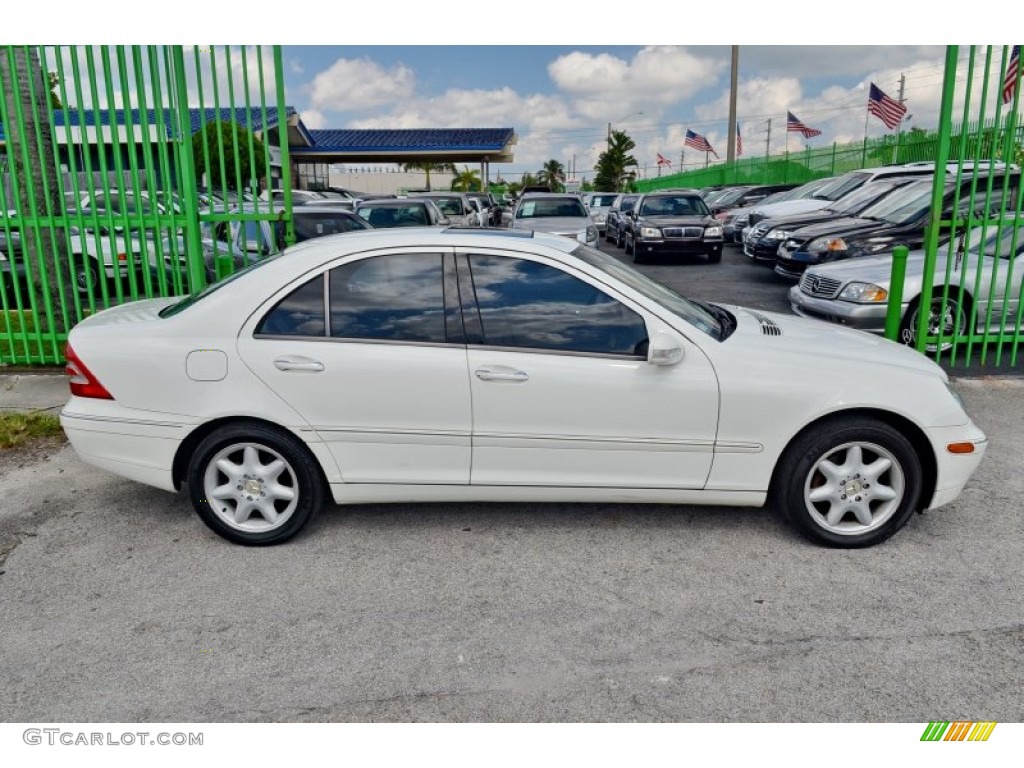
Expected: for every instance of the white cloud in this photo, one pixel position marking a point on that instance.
(353, 84)
(314, 118)
(603, 86)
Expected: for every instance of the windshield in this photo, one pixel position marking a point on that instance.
(674, 205)
(842, 186)
(731, 196)
(450, 206)
(601, 201)
(902, 206)
(627, 203)
(547, 208)
(682, 307)
(859, 199)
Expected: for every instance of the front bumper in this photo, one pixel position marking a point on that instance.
(761, 249)
(668, 247)
(862, 317)
(954, 470)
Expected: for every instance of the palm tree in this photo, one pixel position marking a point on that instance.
(613, 162)
(466, 180)
(552, 174)
(428, 167)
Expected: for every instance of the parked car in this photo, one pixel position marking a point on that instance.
(554, 373)
(299, 196)
(614, 224)
(672, 224)
(837, 188)
(984, 288)
(557, 214)
(249, 240)
(456, 206)
(737, 219)
(599, 204)
(898, 219)
(401, 212)
(762, 244)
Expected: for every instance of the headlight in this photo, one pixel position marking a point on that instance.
(777, 234)
(650, 232)
(864, 293)
(715, 231)
(591, 233)
(827, 245)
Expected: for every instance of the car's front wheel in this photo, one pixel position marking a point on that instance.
(945, 321)
(849, 482)
(253, 484)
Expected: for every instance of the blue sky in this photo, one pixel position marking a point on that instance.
(561, 98)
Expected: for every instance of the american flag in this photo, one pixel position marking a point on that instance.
(739, 141)
(697, 141)
(793, 124)
(885, 108)
(662, 160)
(1012, 75)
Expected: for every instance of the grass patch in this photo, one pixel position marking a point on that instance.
(12, 324)
(18, 428)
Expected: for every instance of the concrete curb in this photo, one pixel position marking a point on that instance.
(33, 391)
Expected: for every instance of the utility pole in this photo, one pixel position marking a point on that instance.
(899, 126)
(730, 155)
(768, 141)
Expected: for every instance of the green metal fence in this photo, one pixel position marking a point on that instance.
(971, 274)
(132, 172)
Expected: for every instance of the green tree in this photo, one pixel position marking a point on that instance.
(54, 82)
(614, 163)
(231, 136)
(552, 174)
(428, 167)
(466, 180)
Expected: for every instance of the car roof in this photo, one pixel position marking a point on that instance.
(672, 192)
(390, 202)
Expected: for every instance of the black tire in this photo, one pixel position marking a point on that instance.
(87, 272)
(908, 325)
(715, 256)
(844, 514)
(301, 476)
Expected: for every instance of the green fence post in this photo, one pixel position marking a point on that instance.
(282, 134)
(187, 181)
(896, 280)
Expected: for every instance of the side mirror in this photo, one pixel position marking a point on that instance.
(664, 349)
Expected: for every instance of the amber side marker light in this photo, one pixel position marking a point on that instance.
(960, 447)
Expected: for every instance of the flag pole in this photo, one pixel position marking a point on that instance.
(899, 125)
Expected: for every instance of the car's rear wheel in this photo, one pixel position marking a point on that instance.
(254, 485)
(953, 319)
(87, 274)
(849, 482)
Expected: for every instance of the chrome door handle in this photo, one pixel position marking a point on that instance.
(500, 373)
(298, 363)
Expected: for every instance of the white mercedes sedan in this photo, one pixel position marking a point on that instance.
(498, 365)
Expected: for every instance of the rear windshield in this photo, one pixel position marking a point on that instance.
(541, 208)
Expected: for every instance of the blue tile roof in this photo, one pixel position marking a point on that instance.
(252, 117)
(408, 140)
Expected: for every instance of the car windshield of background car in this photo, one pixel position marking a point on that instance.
(539, 209)
(657, 292)
(844, 185)
(858, 200)
(674, 206)
(903, 205)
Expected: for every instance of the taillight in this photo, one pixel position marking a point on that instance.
(80, 378)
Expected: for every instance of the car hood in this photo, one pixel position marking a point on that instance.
(554, 225)
(800, 220)
(808, 343)
(842, 227)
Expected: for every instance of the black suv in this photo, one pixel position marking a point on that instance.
(673, 223)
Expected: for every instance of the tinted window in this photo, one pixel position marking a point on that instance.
(543, 207)
(396, 297)
(530, 305)
(300, 313)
